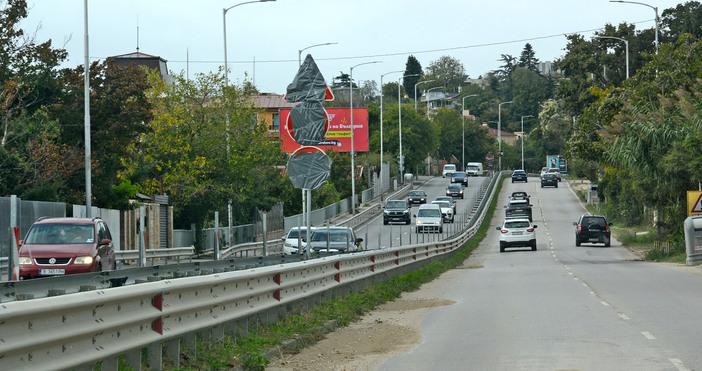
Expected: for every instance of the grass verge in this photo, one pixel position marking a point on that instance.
(249, 353)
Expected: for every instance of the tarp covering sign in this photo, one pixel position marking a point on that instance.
(308, 123)
(308, 168)
(308, 85)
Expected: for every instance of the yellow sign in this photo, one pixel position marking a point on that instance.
(694, 203)
(339, 134)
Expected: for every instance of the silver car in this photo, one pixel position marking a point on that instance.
(334, 239)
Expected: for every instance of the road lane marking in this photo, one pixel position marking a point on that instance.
(648, 335)
(606, 304)
(624, 316)
(678, 364)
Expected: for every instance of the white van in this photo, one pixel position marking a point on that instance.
(449, 169)
(429, 218)
(474, 169)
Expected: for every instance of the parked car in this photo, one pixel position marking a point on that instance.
(592, 229)
(450, 200)
(295, 238)
(448, 170)
(519, 176)
(454, 190)
(517, 232)
(63, 246)
(334, 239)
(417, 196)
(460, 177)
(520, 195)
(549, 180)
(556, 172)
(428, 218)
(518, 209)
(397, 211)
(446, 210)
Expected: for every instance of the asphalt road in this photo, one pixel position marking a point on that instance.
(379, 236)
(561, 307)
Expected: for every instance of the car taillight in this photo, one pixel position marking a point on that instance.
(580, 228)
(504, 231)
(530, 230)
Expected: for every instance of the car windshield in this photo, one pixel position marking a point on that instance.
(334, 235)
(459, 174)
(416, 193)
(396, 204)
(58, 234)
(450, 167)
(429, 213)
(454, 187)
(294, 233)
(519, 172)
(442, 203)
(516, 224)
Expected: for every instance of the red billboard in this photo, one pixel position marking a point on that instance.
(339, 135)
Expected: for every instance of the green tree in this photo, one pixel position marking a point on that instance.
(528, 58)
(412, 67)
(448, 72)
(684, 18)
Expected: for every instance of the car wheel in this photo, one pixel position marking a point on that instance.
(533, 246)
(607, 243)
(407, 222)
(512, 180)
(385, 222)
(556, 185)
(577, 241)
(502, 247)
(417, 229)
(542, 185)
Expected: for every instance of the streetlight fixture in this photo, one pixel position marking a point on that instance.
(381, 125)
(523, 139)
(463, 116)
(299, 52)
(655, 9)
(224, 24)
(499, 132)
(399, 119)
(353, 166)
(626, 44)
(415, 91)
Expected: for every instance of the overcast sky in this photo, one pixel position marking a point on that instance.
(475, 32)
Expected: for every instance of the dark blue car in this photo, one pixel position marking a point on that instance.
(460, 177)
(519, 176)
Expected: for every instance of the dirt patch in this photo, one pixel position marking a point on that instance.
(386, 331)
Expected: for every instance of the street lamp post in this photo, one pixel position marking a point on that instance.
(463, 116)
(224, 26)
(381, 125)
(655, 9)
(415, 91)
(399, 119)
(353, 167)
(299, 52)
(499, 133)
(626, 45)
(523, 139)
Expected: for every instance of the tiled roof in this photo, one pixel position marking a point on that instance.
(494, 132)
(136, 55)
(268, 101)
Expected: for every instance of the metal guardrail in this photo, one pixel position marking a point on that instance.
(53, 332)
(162, 254)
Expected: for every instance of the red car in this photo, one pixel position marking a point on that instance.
(61, 246)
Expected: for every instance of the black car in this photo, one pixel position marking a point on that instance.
(454, 190)
(518, 209)
(549, 179)
(592, 229)
(417, 196)
(460, 177)
(397, 211)
(519, 176)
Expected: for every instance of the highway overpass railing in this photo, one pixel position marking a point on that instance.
(166, 316)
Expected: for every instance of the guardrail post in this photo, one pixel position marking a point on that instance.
(142, 243)
(154, 356)
(216, 245)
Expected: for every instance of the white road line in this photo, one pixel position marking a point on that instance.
(592, 293)
(648, 335)
(678, 364)
(606, 304)
(624, 316)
